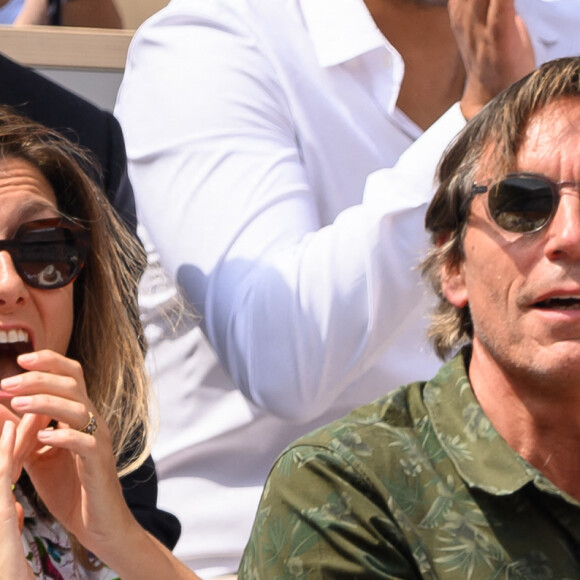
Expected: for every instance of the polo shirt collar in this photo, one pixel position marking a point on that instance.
(341, 30)
(479, 453)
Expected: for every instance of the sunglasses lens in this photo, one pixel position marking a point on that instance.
(521, 204)
(49, 257)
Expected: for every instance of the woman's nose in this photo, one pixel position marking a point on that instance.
(13, 290)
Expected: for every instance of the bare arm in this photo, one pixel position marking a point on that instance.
(33, 12)
(90, 13)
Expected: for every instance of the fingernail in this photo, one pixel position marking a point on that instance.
(21, 402)
(27, 357)
(45, 434)
(11, 382)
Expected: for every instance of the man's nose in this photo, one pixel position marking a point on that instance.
(564, 230)
(13, 290)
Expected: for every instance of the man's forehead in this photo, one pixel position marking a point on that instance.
(544, 133)
(561, 117)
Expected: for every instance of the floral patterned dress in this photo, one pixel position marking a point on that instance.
(48, 549)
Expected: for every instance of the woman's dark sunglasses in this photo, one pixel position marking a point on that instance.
(522, 202)
(48, 253)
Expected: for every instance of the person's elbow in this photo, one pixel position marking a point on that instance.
(293, 398)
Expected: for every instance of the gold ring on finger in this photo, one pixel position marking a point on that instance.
(91, 426)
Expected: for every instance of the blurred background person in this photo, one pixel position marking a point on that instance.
(89, 13)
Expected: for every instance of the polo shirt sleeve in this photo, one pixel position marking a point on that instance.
(320, 517)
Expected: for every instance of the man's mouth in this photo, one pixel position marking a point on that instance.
(571, 302)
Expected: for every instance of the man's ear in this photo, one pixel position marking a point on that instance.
(453, 285)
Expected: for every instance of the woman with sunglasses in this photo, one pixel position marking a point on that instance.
(73, 390)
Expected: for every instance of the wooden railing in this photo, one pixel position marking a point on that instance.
(87, 61)
(65, 47)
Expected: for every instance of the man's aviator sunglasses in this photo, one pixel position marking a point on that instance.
(48, 253)
(522, 203)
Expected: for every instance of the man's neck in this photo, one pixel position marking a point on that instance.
(434, 73)
(541, 422)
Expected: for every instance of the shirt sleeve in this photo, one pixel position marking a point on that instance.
(320, 517)
(296, 310)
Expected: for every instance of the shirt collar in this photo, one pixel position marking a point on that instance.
(480, 455)
(341, 30)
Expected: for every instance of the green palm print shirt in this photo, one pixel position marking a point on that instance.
(415, 485)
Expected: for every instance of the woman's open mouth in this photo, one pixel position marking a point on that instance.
(13, 343)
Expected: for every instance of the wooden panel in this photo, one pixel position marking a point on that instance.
(60, 46)
(135, 12)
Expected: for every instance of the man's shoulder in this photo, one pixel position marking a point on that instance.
(34, 96)
(404, 419)
(372, 426)
(44, 101)
(27, 89)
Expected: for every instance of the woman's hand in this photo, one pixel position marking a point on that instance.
(13, 563)
(74, 472)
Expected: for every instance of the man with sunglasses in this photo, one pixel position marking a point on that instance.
(475, 473)
(251, 129)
